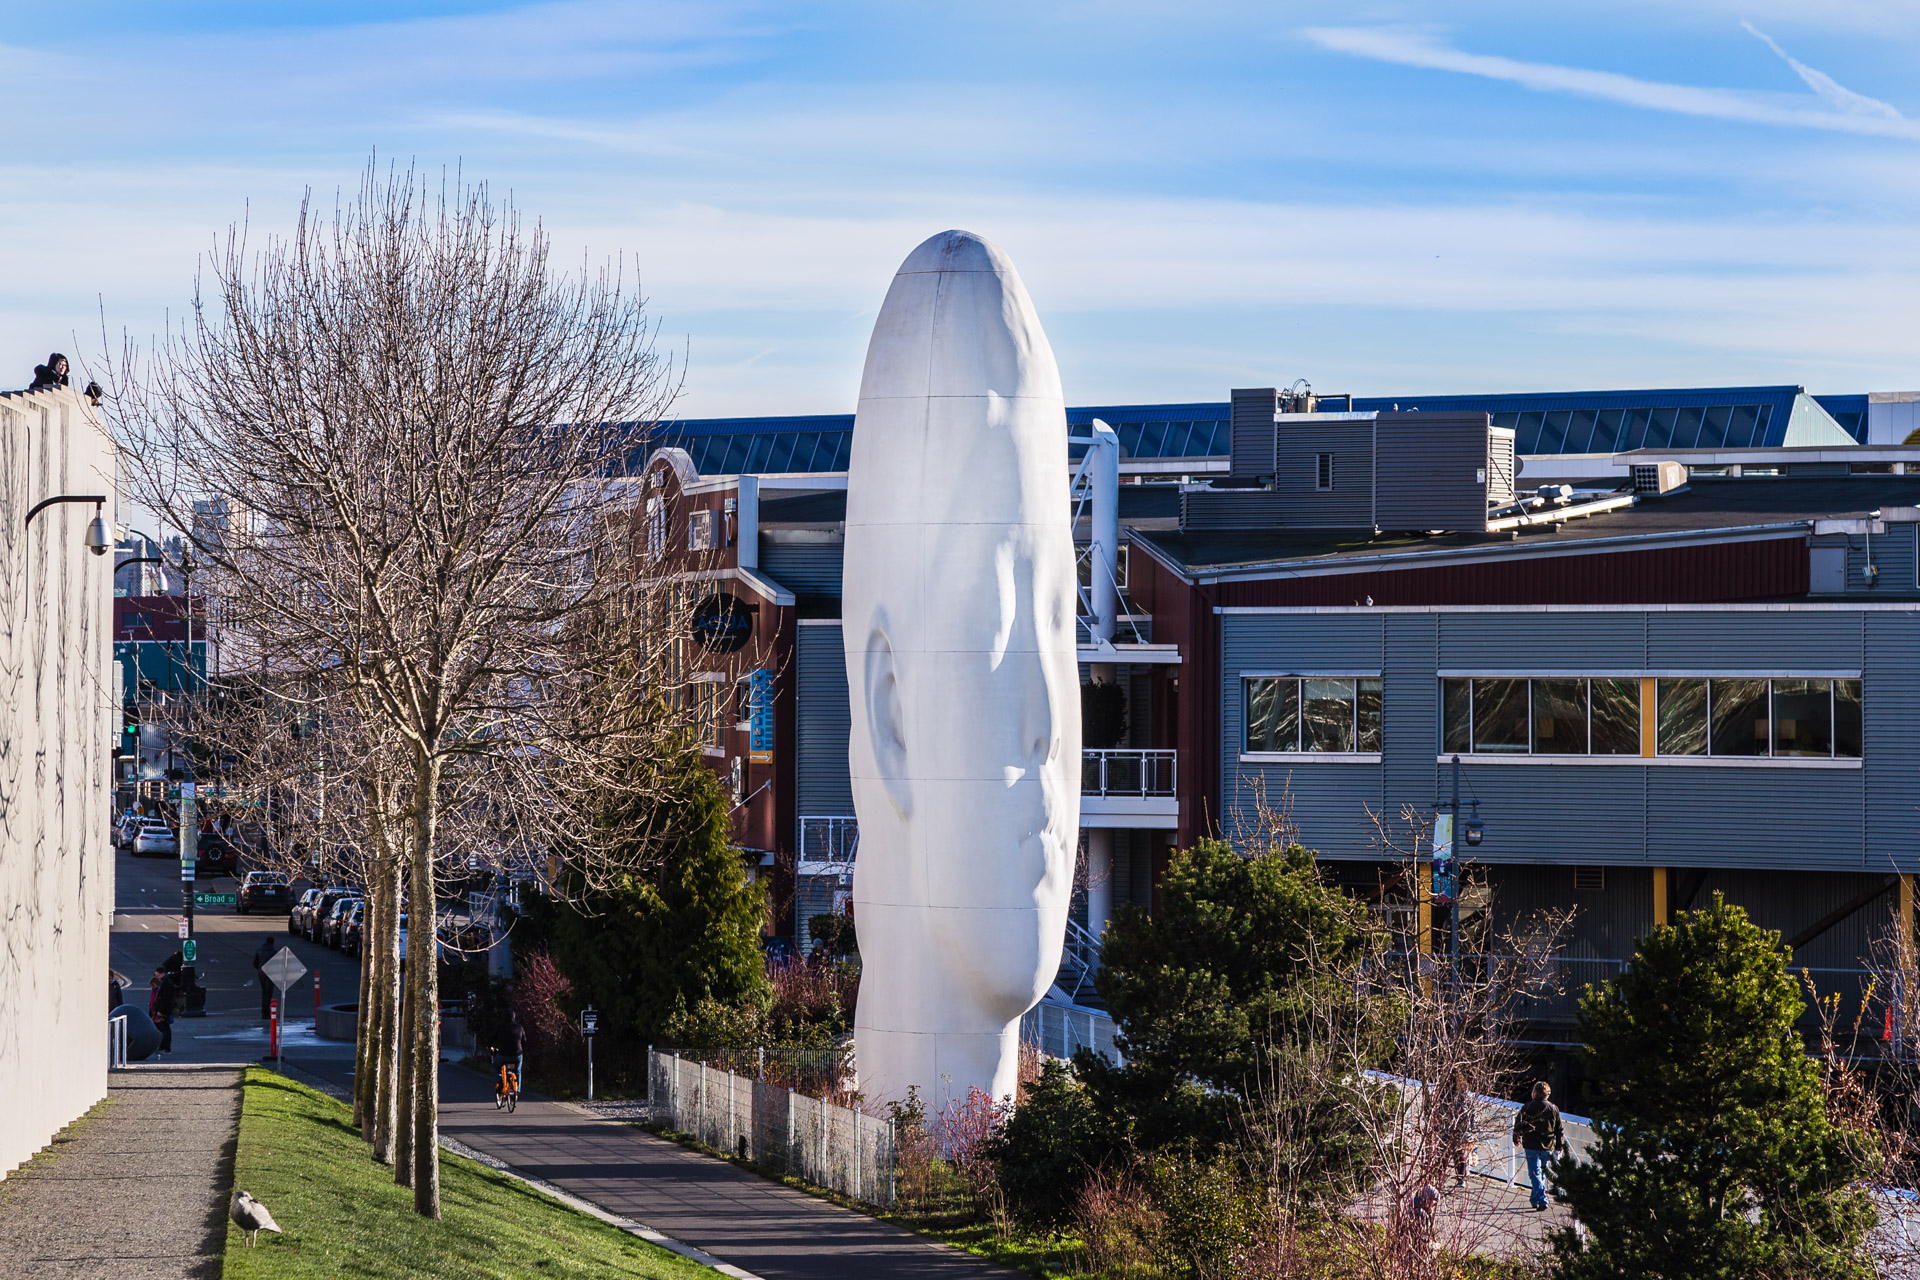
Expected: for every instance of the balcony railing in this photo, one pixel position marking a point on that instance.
(832, 840)
(1127, 773)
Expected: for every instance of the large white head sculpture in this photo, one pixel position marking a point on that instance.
(958, 616)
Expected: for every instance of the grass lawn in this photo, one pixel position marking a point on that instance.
(299, 1153)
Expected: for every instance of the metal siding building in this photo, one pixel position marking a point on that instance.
(804, 568)
(821, 784)
(1767, 814)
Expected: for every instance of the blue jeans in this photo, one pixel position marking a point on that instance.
(1537, 1162)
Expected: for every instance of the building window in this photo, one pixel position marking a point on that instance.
(1783, 719)
(711, 708)
(701, 531)
(656, 525)
(1323, 472)
(1559, 716)
(1317, 714)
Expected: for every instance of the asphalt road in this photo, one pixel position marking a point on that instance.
(145, 933)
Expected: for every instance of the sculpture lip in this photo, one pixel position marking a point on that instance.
(955, 251)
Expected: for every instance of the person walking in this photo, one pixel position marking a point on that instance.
(260, 958)
(166, 998)
(1538, 1131)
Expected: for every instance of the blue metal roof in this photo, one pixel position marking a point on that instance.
(1543, 422)
(1850, 412)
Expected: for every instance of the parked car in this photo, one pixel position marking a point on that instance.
(322, 908)
(352, 930)
(263, 891)
(303, 911)
(155, 838)
(126, 829)
(333, 927)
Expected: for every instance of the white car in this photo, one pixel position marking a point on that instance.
(155, 837)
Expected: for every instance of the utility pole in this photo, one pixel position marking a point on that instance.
(189, 821)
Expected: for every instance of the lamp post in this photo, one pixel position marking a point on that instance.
(189, 843)
(1446, 867)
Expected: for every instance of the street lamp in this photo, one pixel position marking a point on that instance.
(1446, 867)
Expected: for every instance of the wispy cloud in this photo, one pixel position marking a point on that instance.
(1844, 111)
(1831, 90)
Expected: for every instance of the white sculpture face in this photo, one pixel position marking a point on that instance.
(958, 620)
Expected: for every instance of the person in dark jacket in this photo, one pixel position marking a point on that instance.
(510, 1045)
(51, 374)
(1538, 1131)
(166, 998)
(260, 958)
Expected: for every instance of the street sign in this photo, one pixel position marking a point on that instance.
(589, 1021)
(183, 928)
(189, 950)
(215, 899)
(284, 969)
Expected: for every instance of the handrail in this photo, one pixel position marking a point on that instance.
(1129, 772)
(840, 833)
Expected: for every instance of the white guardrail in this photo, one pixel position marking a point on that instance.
(830, 1146)
(1492, 1153)
(116, 1042)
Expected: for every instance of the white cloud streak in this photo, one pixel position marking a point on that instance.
(1416, 49)
(1842, 98)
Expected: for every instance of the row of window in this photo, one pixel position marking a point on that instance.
(1568, 716)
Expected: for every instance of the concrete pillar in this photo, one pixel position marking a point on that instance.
(1099, 879)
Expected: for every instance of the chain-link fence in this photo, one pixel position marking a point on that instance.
(830, 1146)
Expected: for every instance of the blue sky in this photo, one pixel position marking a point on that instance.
(1380, 197)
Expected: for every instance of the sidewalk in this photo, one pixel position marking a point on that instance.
(771, 1230)
(138, 1191)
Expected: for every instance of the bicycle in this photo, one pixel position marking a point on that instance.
(506, 1090)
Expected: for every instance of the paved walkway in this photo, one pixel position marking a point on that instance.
(138, 1191)
(745, 1220)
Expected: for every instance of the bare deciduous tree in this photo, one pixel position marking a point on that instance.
(397, 440)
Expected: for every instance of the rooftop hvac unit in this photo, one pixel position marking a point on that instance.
(1658, 477)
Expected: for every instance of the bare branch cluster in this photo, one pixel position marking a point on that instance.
(398, 442)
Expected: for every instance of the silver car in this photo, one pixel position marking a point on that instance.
(155, 838)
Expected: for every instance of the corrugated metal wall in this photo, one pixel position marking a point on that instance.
(1425, 467)
(804, 568)
(1890, 712)
(1768, 817)
(1349, 503)
(1231, 508)
(821, 783)
(1252, 431)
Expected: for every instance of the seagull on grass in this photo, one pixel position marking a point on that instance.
(252, 1217)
